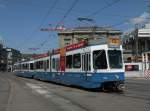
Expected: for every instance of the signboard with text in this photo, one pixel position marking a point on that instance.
(40, 56)
(114, 42)
(71, 47)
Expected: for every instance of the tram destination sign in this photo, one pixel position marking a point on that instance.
(114, 42)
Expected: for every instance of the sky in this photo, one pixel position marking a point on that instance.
(21, 20)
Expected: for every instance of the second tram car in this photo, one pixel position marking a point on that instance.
(88, 66)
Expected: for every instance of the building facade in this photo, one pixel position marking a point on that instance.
(13, 56)
(135, 43)
(94, 35)
(3, 58)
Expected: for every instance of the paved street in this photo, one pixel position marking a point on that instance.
(22, 94)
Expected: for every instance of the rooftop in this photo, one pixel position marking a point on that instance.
(89, 29)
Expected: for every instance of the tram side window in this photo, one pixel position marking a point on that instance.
(37, 65)
(76, 60)
(99, 59)
(55, 63)
(27, 66)
(22, 65)
(41, 64)
(47, 64)
(31, 66)
(69, 61)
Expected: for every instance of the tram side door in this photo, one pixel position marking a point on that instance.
(86, 62)
(62, 59)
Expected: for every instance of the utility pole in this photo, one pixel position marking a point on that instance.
(136, 42)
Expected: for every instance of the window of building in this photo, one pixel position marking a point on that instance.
(67, 39)
(99, 59)
(144, 33)
(66, 44)
(10, 55)
(148, 57)
(77, 60)
(69, 61)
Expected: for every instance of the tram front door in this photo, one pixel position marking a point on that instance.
(86, 62)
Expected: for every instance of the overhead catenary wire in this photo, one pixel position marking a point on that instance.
(67, 13)
(119, 23)
(70, 9)
(42, 21)
(103, 8)
(62, 19)
(92, 14)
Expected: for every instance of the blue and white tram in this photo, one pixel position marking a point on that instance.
(24, 69)
(86, 66)
(42, 67)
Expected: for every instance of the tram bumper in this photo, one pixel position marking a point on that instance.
(111, 80)
(107, 77)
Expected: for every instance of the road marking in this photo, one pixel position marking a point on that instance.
(63, 103)
(47, 94)
(35, 87)
(40, 90)
(10, 98)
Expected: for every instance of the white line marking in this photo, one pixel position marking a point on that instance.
(62, 102)
(40, 90)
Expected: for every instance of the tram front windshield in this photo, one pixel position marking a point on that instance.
(99, 59)
(115, 58)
